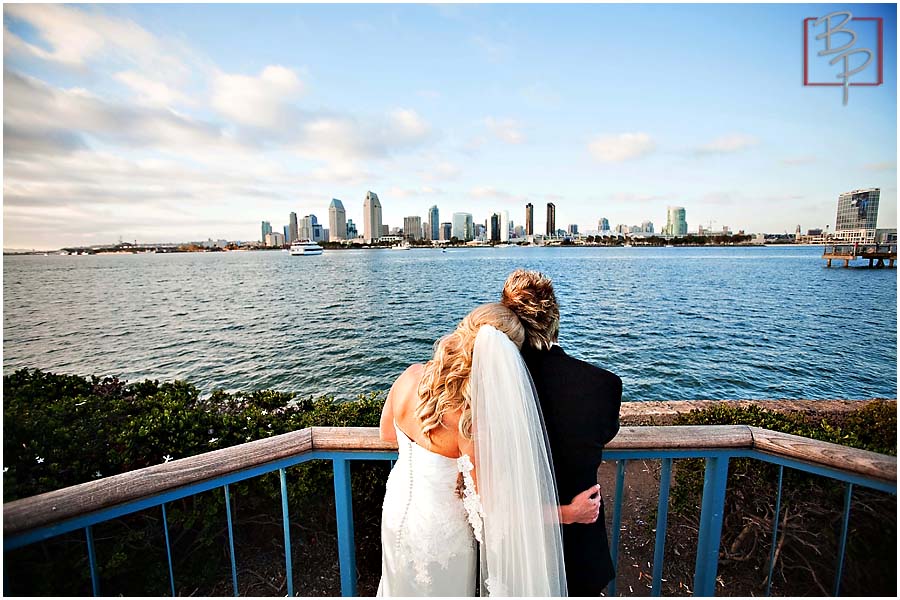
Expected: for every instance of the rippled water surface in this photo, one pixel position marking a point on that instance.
(674, 323)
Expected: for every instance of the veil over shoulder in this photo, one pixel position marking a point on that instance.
(522, 552)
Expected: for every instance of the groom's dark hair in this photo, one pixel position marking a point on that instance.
(530, 295)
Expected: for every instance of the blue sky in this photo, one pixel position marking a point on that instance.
(182, 122)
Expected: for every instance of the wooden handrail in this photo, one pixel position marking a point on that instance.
(22, 515)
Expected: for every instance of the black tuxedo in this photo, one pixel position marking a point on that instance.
(580, 404)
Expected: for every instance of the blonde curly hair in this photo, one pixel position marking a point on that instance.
(530, 295)
(444, 386)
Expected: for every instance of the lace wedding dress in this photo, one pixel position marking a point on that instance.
(427, 544)
(429, 534)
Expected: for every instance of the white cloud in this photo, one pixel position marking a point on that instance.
(261, 101)
(728, 144)
(407, 124)
(505, 130)
(150, 91)
(621, 147)
(881, 166)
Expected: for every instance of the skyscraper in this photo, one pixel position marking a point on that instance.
(529, 219)
(337, 220)
(551, 219)
(857, 215)
(352, 234)
(463, 227)
(434, 221)
(446, 232)
(412, 228)
(266, 229)
(287, 234)
(647, 227)
(372, 229)
(603, 224)
(504, 226)
(291, 236)
(676, 225)
(495, 227)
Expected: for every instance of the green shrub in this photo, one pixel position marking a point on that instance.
(61, 430)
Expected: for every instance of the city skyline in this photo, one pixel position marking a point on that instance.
(154, 126)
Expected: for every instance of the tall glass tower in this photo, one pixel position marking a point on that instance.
(857, 215)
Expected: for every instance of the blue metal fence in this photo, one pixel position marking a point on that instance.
(712, 507)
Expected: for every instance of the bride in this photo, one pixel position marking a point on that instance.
(473, 466)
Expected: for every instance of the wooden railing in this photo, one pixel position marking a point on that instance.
(81, 506)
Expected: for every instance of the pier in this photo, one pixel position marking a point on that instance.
(872, 252)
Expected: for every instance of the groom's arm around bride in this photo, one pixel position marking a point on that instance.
(580, 404)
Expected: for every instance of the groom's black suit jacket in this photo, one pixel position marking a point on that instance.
(580, 404)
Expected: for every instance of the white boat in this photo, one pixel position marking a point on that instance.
(306, 248)
(403, 246)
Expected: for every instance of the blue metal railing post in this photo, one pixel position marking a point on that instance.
(617, 521)
(711, 511)
(662, 514)
(848, 496)
(231, 539)
(343, 504)
(774, 533)
(92, 559)
(168, 548)
(285, 517)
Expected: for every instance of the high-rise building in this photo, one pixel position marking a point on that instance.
(352, 234)
(293, 232)
(337, 220)
(372, 229)
(603, 224)
(446, 232)
(551, 219)
(647, 227)
(434, 221)
(676, 225)
(318, 233)
(504, 226)
(573, 229)
(857, 215)
(519, 232)
(412, 228)
(529, 219)
(307, 227)
(385, 230)
(266, 229)
(495, 227)
(463, 227)
(287, 233)
(274, 239)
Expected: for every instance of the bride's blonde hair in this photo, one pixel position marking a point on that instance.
(445, 382)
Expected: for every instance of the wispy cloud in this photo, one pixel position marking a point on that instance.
(621, 147)
(881, 166)
(727, 144)
(505, 130)
(795, 161)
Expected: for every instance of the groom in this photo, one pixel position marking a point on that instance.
(580, 403)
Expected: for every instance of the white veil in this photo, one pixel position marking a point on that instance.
(522, 552)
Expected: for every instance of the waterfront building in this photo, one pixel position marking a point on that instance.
(352, 234)
(463, 227)
(495, 227)
(857, 215)
(274, 239)
(446, 231)
(266, 230)
(293, 232)
(551, 219)
(573, 229)
(434, 221)
(412, 228)
(372, 226)
(623, 229)
(504, 226)
(529, 219)
(647, 227)
(480, 232)
(603, 225)
(307, 226)
(287, 233)
(519, 232)
(385, 230)
(676, 223)
(337, 220)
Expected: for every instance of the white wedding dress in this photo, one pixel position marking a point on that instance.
(435, 544)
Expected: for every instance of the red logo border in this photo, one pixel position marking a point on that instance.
(880, 53)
